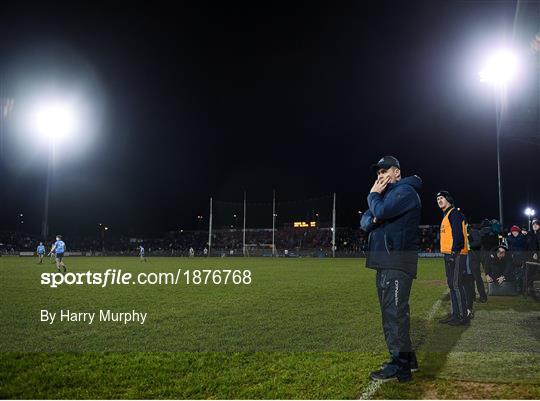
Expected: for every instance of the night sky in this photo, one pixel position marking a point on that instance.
(194, 101)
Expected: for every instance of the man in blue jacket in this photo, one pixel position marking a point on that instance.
(392, 223)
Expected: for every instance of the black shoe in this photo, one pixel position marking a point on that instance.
(389, 373)
(482, 300)
(413, 369)
(446, 319)
(413, 364)
(459, 322)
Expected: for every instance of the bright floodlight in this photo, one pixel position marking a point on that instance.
(55, 120)
(530, 212)
(499, 69)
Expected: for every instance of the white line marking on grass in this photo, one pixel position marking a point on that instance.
(436, 306)
(372, 387)
(434, 310)
(370, 390)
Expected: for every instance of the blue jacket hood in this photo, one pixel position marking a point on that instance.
(413, 180)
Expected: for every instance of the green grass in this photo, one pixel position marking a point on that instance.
(304, 328)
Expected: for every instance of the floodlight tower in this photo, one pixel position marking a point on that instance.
(53, 121)
(499, 70)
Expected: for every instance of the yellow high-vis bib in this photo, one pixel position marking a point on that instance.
(447, 239)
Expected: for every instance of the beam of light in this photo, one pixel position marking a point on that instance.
(500, 68)
(530, 212)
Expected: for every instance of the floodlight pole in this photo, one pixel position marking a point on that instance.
(45, 225)
(273, 224)
(334, 228)
(244, 229)
(500, 92)
(2, 116)
(210, 229)
(529, 213)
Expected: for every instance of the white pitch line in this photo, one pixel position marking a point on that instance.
(372, 387)
(434, 310)
(370, 390)
(436, 306)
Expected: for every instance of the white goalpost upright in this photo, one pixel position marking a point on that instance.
(334, 228)
(210, 229)
(244, 229)
(274, 224)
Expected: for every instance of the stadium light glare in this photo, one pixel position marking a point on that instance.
(55, 120)
(500, 68)
(529, 212)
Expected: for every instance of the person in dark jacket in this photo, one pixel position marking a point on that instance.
(392, 223)
(533, 238)
(454, 247)
(518, 247)
(489, 239)
(499, 267)
(474, 262)
(517, 242)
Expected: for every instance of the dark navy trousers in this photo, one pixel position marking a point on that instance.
(454, 278)
(394, 289)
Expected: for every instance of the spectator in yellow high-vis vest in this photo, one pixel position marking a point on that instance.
(453, 241)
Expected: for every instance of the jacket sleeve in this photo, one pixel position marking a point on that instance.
(456, 222)
(397, 202)
(489, 267)
(366, 223)
(508, 268)
(532, 241)
(474, 238)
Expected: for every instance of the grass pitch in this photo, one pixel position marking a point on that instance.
(303, 328)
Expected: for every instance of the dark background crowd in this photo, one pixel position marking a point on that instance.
(297, 241)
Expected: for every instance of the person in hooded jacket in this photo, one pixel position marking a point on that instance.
(489, 239)
(392, 223)
(533, 239)
(518, 247)
(474, 258)
(500, 267)
(455, 248)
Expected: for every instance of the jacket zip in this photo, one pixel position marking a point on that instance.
(386, 244)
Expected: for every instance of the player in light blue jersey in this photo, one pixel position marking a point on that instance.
(40, 252)
(141, 254)
(59, 247)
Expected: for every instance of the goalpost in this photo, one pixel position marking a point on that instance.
(303, 228)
